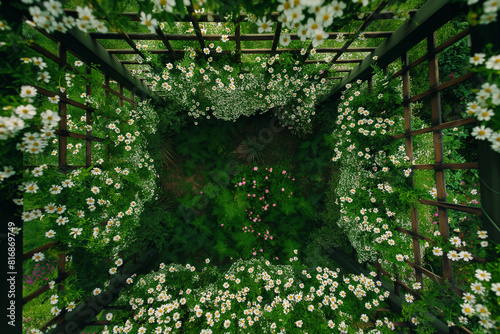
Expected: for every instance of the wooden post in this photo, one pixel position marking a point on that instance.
(489, 160)
(405, 77)
(438, 151)
(88, 116)
(63, 125)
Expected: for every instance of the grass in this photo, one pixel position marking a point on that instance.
(36, 313)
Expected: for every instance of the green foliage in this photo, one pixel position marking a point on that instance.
(257, 282)
(250, 150)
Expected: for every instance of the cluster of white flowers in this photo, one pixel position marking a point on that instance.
(10, 126)
(364, 181)
(489, 10)
(50, 16)
(487, 103)
(229, 302)
(212, 91)
(310, 18)
(474, 304)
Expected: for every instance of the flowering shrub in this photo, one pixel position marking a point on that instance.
(374, 182)
(477, 308)
(93, 212)
(486, 106)
(206, 88)
(374, 187)
(253, 295)
(269, 193)
(264, 213)
(264, 189)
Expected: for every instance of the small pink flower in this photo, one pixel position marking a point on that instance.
(274, 204)
(434, 223)
(282, 189)
(221, 224)
(266, 177)
(271, 170)
(255, 168)
(254, 253)
(261, 250)
(283, 172)
(267, 191)
(272, 239)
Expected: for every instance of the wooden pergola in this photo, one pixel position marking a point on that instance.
(340, 55)
(393, 48)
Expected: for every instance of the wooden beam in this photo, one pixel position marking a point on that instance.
(237, 37)
(92, 52)
(196, 25)
(438, 88)
(465, 165)
(212, 37)
(245, 51)
(438, 49)
(447, 125)
(204, 17)
(341, 61)
(130, 42)
(276, 39)
(362, 28)
(452, 206)
(165, 41)
(42, 248)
